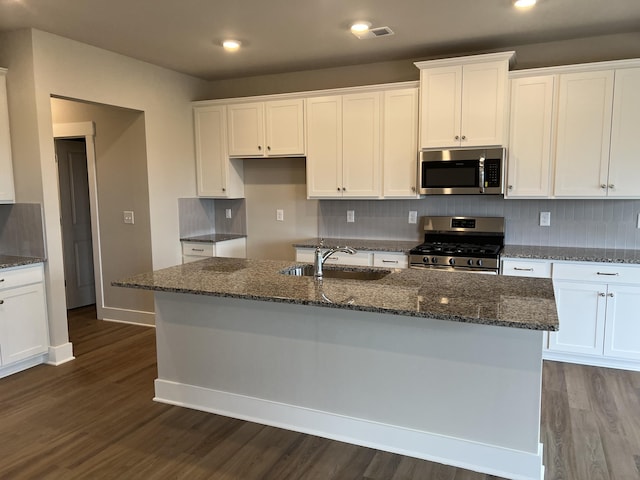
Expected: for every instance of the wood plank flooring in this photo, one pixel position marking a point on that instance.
(94, 418)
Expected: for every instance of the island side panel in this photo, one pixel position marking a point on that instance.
(473, 382)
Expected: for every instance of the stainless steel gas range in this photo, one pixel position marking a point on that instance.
(460, 243)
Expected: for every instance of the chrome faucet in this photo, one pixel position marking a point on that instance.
(320, 258)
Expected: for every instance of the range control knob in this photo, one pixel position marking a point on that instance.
(425, 259)
(479, 263)
(452, 261)
(470, 261)
(434, 259)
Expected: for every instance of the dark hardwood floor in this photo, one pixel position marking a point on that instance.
(94, 418)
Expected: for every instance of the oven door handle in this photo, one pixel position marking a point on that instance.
(481, 173)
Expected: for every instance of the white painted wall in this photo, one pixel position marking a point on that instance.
(40, 65)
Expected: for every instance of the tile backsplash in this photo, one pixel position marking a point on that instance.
(202, 216)
(576, 223)
(22, 230)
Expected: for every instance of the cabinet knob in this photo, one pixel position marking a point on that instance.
(612, 186)
(457, 137)
(413, 189)
(602, 294)
(260, 147)
(510, 187)
(603, 186)
(610, 295)
(344, 189)
(224, 189)
(464, 137)
(338, 188)
(268, 148)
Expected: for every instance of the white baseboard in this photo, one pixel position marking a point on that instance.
(23, 365)
(594, 361)
(488, 459)
(60, 354)
(122, 315)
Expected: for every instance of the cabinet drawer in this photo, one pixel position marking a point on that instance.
(527, 268)
(390, 259)
(198, 249)
(597, 272)
(16, 277)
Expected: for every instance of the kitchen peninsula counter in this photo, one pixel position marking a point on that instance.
(420, 363)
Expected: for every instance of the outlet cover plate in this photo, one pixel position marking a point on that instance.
(351, 216)
(545, 219)
(413, 216)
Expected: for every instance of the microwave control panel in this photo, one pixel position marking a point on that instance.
(492, 174)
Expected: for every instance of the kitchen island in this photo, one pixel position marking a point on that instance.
(436, 365)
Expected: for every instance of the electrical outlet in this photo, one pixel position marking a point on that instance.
(127, 217)
(227, 213)
(351, 216)
(280, 215)
(413, 216)
(545, 219)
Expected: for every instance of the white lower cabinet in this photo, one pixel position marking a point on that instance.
(23, 317)
(361, 258)
(194, 251)
(598, 307)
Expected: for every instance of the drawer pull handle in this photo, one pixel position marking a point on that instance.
(523, 269)
(332, 258)
(609, 274)
(197, 249)
(389, 261)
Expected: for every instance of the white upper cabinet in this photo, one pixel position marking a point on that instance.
(217, 175)
(530, 135)
(343, 146)
(463, 101)
(262, 129)
(7, 194)
(624, 165)
(583, 136)
(400, 143)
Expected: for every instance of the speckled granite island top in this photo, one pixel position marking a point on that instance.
(9, 261)
(574, 254)
(461, 297)
(361, 244)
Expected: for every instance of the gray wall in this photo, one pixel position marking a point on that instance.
(579, 223)
(121, 171)
(22, 230)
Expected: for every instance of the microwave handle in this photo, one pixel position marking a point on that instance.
(481, 173)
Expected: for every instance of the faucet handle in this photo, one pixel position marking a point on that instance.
(321, 243)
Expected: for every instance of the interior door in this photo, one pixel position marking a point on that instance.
(76, 222)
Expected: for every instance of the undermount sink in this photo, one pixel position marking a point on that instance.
(346, 273)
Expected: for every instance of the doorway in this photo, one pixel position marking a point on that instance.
(75, 212)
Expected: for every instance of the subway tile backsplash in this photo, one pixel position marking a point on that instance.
(22, 230)
(576, 223)
(202, 216)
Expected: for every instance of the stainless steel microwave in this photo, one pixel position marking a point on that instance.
(462, 172)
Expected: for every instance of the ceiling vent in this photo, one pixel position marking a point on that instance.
(374, 33)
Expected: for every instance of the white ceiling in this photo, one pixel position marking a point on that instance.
(290, 35)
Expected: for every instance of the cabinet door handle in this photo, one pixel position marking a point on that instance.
(609, 274)
(523, 269)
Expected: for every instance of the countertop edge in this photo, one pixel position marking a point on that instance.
(11, 261)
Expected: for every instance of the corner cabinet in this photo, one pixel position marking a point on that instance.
(24, 335)
(463, 101)
(7, 193)
(263, 129)
(217, 175)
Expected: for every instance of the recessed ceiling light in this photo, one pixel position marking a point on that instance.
(231, 45)
(360, 27)
(524, 3)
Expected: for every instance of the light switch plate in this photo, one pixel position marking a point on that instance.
(127, 217)
(545, 219)
(413, 216)
(227, 213)
(351, 216)
(280, 215)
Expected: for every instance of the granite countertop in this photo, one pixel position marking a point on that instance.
(575, 254)
(518, 302)
(402, 246)
(213, 237)
(9, 261)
